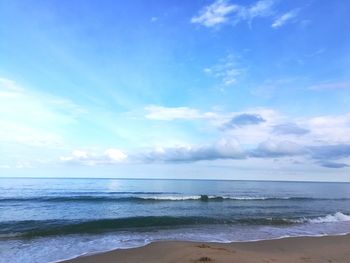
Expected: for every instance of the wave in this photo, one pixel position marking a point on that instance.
(158, 197)
(115, 193)
(41, 228)
(34, 228)
(337, 217)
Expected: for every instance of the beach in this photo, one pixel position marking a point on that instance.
(198, 131)
(297, 249)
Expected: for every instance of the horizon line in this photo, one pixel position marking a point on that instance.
(174, 179)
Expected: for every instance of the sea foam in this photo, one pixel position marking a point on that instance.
(337, 217)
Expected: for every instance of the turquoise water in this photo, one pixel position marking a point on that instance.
(45, 220)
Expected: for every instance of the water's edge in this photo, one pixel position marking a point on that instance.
(86, 254)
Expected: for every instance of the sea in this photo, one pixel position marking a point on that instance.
(48, 220)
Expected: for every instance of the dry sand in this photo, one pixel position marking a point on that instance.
(298, 249)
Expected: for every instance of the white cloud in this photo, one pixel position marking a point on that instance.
(319, 130)
(329, 129)
(222, 11)
(168, 114)
(115, 155)
(252, 134)
(222, 149)
(110, 156)
(271, 149)
(264, 123)
(283, 19)
(215, 14)
(262, 8)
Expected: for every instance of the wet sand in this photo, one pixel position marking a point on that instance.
(298, 249)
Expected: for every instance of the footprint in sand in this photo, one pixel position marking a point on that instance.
(203, 246)
(204, 259)
(306, 259)
(215, 248)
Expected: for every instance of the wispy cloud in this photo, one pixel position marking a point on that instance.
(215, 14)
(228, 70)
(222, 11)
(331, 86)
(35, 126)
(316, 53)
(285, 18)
(262, 8)
(32, 118)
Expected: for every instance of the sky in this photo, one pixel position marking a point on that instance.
(225, 89)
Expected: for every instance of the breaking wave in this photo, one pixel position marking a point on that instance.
(156, 197)
(40, 228)
(337, 217)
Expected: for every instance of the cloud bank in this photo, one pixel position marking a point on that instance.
(254, 134)
(222, 149)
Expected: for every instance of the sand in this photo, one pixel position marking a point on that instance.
(298, 249)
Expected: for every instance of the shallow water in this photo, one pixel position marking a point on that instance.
(45, 220)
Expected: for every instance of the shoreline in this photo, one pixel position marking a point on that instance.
(334, 248)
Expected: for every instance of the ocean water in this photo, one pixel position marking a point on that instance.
(47, 220)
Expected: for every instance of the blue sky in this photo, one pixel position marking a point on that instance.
(175, 89)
